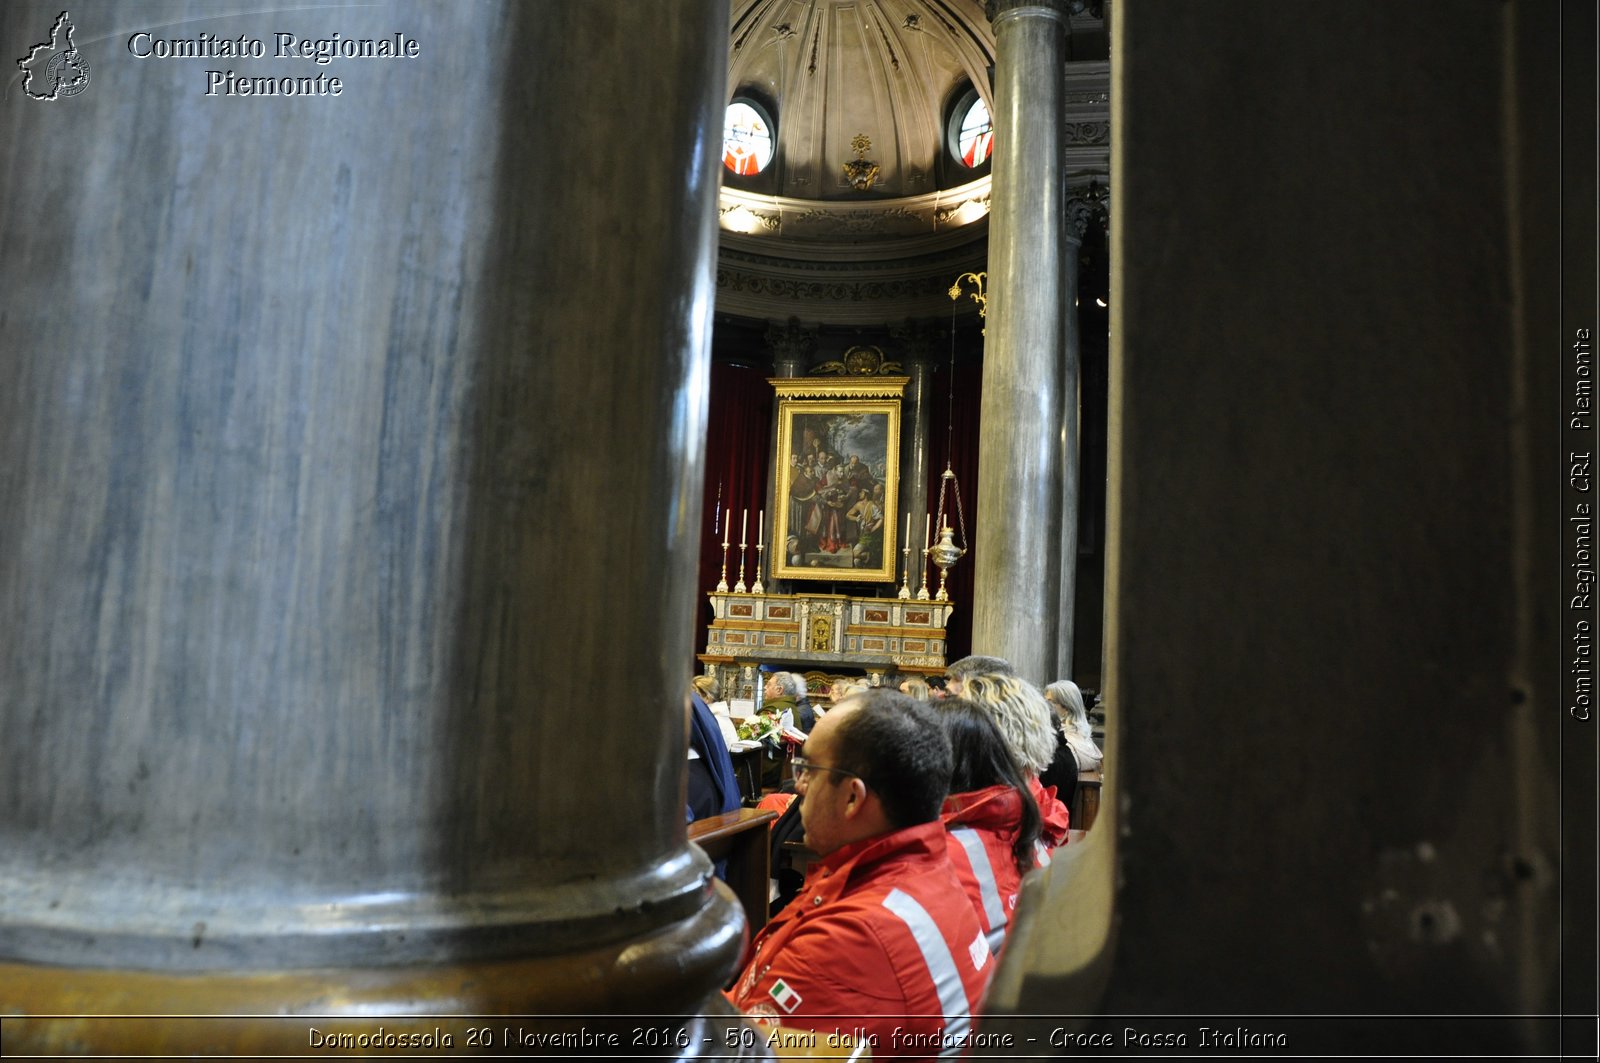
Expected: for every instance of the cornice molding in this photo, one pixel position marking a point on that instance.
(842, 291)
(836, 387)
(787, 218)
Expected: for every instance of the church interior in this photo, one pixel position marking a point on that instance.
(376, 472)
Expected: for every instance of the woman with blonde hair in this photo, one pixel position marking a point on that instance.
(1023, 718)
(707, 688)
(915, 687)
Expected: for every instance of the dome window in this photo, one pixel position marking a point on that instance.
(973, 131)
(746, 138)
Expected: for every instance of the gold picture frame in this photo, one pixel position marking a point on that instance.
(837, 480)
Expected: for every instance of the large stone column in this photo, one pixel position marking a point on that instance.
(1083, 209)
(350, 448)
(1016, 614)
(792, 346)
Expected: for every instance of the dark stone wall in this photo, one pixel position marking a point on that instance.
(1331, 600)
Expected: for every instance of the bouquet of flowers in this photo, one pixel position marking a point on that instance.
(760, 727)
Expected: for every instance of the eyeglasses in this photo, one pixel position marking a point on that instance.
(804, 767)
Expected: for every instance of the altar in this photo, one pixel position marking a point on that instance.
(819, 632)
(835, 495)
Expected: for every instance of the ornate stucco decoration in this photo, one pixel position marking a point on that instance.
(1090, 205)
(862, 360)
(861, 171)
(751, 219)
(1088, 133)
(917, 339)
(783, 217)
(791, 342)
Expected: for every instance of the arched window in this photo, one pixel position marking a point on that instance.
(747, 138)
(971, 131)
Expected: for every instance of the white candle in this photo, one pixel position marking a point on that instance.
(761, 526)
(744, 527)
(927, 523)
(908, 531)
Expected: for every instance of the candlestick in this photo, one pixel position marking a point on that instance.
(757, 587)
(739, 588)
(905, 562)
(722, 584)
(922, 569)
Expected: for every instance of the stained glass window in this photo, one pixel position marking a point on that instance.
(976, 138)
(746, 139)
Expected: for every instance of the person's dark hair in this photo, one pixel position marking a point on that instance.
(982, 758)
(975, 665)
(899, 748)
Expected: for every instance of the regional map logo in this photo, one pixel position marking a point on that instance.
(56, 65)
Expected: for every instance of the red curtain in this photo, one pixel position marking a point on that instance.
(953, 438)
(737, 439)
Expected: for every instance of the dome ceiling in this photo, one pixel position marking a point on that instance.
(830, 71)
(797, 239)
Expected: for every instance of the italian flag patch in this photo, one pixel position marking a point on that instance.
(786, 997)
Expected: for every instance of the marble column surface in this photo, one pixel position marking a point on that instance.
(350, 447)
(1016, 553)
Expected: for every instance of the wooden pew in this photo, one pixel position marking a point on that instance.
(741, 838)
(747, 770)
(1086, 800)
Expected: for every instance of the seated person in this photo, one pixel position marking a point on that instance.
(958, 672)
(707, 688)
(991, 817)
(914, 686)
(1066, 700)
(779, 696)
(787, 879)
(780, 708)
(713, 788)
(805, 717)
(882, 937)
(1024, 720)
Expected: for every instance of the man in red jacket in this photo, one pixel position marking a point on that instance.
(881, 941)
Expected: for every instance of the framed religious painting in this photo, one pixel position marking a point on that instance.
(837, 483)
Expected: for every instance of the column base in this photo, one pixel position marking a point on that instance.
(655, 997)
